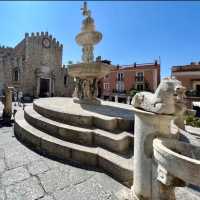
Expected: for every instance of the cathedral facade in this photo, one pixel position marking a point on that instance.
(34, 66)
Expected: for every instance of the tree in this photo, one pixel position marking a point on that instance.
(70, 62)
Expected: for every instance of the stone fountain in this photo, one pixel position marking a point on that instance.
(89, 71)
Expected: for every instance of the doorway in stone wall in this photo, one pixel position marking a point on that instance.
(44, 87)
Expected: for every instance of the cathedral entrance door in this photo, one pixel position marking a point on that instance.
(44, 87)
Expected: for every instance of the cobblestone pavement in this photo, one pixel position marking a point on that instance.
(26, 175)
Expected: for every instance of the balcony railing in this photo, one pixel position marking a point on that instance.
(139, 78)
(120, 79)
(119, 91)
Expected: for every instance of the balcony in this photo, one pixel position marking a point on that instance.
(119, 91)
(139, 78)
(120, 79)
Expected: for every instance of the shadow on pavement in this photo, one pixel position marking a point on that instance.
(6, 123)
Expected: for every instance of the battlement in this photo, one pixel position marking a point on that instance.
(5, 51)
(6, 47)
(44, 35)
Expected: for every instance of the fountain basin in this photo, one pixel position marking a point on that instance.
(89, 70)
(180, 159)
(88, 38)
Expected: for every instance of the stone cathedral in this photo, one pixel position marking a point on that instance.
(34, 66)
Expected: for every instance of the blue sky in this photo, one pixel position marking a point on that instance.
(133, 31)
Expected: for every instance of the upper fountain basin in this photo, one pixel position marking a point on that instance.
(180, 159)
(89, 70)
(88, 38)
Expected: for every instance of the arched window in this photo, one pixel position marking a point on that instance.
(16, 74)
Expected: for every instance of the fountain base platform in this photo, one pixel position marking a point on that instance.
(90, 135)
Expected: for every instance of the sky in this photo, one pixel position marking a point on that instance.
(133, 31)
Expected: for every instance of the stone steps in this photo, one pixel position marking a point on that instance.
(120, 143)
(120, 167)
(86, 116)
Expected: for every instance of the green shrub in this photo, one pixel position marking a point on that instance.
(193, 121)
(133, 92)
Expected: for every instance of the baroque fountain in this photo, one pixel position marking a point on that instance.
(88, 72)
(97, 133)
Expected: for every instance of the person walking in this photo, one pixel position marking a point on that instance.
(20, 95)
(15, 96)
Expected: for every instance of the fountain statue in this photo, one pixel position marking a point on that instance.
(89, 71)
(163, 101)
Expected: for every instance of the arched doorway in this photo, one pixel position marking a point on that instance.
(44, 87)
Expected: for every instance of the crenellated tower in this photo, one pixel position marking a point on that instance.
(34, 65)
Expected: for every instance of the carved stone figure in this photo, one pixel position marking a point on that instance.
(85, 10)
(87, 53)
(168, 98)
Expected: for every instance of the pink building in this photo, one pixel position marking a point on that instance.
(124, 78)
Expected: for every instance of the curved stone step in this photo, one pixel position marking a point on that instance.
(120, 143)
(110, 117)
(118, 166)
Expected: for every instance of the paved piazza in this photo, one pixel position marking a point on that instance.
(26, 175)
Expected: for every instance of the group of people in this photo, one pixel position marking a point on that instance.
(18, 95)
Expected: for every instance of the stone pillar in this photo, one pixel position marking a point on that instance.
(38, 87)
(53, 87)
(7, 111)
(147, 126)
(50, 87)
(128, 100)
(116, 98)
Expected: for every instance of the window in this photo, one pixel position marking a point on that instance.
(65, 80)
(120, 76)
(198, 88)
(16, 75)
(140, 87)
(106, 86)
(140, 76)
(120, 87)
